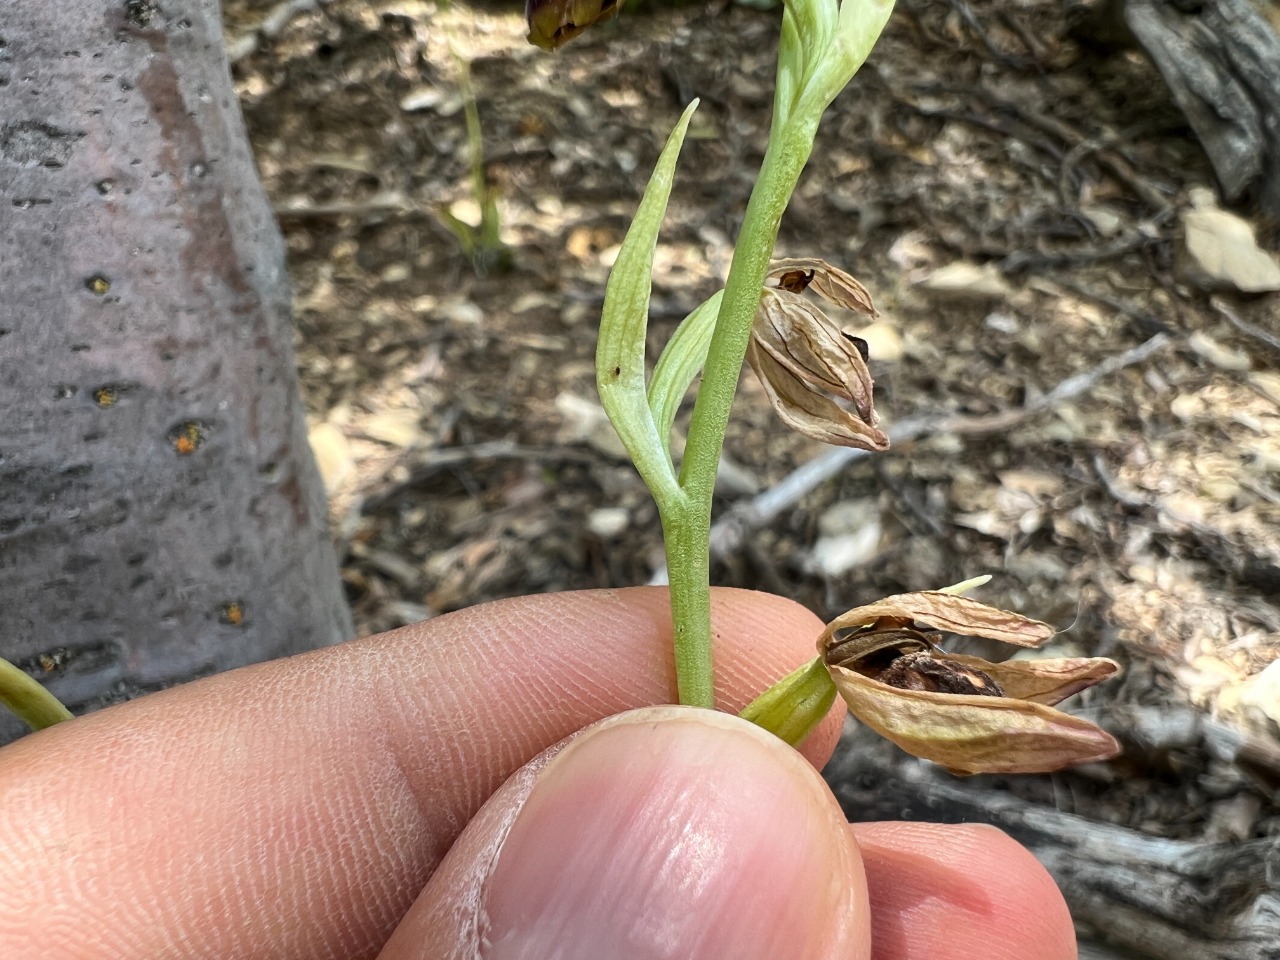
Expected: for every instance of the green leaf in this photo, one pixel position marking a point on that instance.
(680, 363)
(791, 69)
(860, 25)
(623, 325)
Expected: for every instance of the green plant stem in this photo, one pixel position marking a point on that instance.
(688, 525)
(690, 571)
(796, 704)
(475, 135)
(33, 704)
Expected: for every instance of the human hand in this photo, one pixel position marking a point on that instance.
(329, 805)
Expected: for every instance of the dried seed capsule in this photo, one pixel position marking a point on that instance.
(965, 713)
(806, 363)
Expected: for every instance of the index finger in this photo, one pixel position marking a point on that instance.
(296, 808)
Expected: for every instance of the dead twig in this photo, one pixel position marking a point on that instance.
(1034, 46)
(1020, 260)
(1047, 147)
(1150, 897)
(380, 203)
(1244, 326)
(1261, 489)
(1067, 389)
(1118, 166)
(1080, 144)
(1153, 730)
(1117, 493)
(1146, 323)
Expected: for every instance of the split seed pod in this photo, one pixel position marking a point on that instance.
(804, 360)
(965, 713)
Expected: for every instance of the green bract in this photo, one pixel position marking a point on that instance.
(681, 362)
(823, 44)
(624, 322)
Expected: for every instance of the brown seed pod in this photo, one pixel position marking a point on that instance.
(968, 714)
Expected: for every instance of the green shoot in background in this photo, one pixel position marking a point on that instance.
(481, 243)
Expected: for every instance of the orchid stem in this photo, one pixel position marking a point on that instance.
(687, 524)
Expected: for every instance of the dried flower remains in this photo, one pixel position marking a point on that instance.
(965, 713)
(553, 23)
(805, 361)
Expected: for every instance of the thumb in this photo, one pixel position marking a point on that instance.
(662, 832)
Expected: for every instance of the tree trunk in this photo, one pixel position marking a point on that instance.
(1221, 60)
(161, 517)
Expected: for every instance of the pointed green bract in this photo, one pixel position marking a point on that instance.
(860, 24)
(620, 371)
(964, 586)
(680, 364)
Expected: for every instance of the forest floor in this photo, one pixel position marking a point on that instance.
(1011, 194)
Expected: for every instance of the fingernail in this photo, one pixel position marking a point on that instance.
(675, 832)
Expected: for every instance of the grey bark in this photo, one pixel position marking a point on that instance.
(1221, 60)
(161, 516)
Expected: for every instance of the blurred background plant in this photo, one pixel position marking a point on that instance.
(481, 241)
